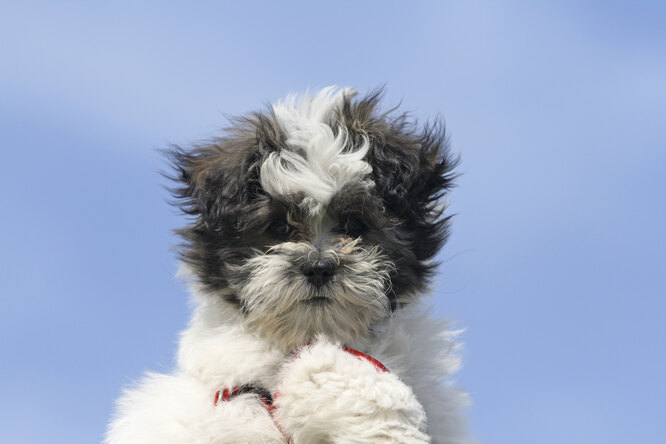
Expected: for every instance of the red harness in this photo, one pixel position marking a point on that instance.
(266, 398)
(378, 365)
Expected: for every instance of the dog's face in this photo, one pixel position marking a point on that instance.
(318, 216)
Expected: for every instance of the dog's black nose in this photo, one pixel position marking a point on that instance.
(319, 272)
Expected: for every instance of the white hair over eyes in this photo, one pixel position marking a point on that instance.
(317, 160)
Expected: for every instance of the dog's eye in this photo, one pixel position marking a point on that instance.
(354, 227)
(279, 227)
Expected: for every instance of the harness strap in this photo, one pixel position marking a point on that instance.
(266, 397)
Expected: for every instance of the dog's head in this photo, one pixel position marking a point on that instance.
(320, 215)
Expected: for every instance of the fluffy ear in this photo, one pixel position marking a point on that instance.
(216, 178)
(412, 169)
(213, 179)
(215, 182)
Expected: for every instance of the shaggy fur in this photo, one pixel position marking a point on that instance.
(314, 225)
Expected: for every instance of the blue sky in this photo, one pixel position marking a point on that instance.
(557, 262)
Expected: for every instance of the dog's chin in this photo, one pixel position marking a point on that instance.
(344, 318)
(318, 301)
(290, 318)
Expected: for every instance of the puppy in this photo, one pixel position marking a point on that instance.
(314, 225)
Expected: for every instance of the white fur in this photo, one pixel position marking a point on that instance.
(424, 352)
(178, 409)
(217, 351)
(314, 162)
(355, 402)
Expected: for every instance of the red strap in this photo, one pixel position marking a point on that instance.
(226, 395)
(267, 406)
(378, 365)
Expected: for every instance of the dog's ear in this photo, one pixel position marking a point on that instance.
(214, 179)
(412, 170)
(411, 166)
